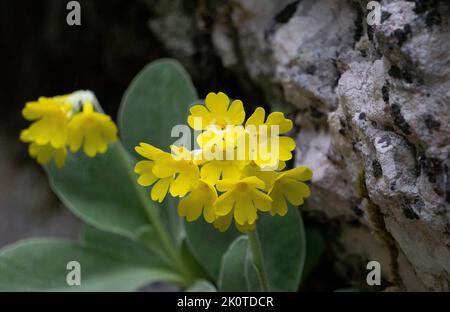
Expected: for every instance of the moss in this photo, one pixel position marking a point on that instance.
(376, 219)
(361, 188)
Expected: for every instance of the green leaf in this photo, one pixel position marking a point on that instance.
(208, 244)
(283, 246)
(202, 286)
(41, 265)
(122, 247)
(315, 247)
(156, 100)
(102, 191)
(232, 273)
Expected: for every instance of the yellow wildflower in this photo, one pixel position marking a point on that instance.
(51, 118)
(91, 129)
(290, 186)
(176, 173)
(237, 172)
(45, 153)
(200, 199)
(217, 113)
(244, 196)
(261, 132)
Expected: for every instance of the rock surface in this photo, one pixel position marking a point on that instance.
(372, 110)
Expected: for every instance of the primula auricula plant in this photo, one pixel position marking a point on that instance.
(236, 172)
(169, 220)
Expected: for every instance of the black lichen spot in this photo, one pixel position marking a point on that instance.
(342, 132)
(432, 123)
(393, 186)
(402, 34)
(385, 16)
(399, 120)
(410, 214)
(362, 116)
(285, 14)
(433, 18)
(385, 93)
(377, 169)
(386, 139)
(395, 72)
(311, 69)
(432, 167)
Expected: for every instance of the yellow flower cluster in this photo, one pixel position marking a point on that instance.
(224, 188)
(62, 121)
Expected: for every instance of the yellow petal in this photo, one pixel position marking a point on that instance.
(262, 201)
(254, 182)
(236, 112)
(223, 223)
(190, 207)
(217, 103)
(200, 117)
(301, 173)
(295, 192)
(211, 172)
(148, 151)
(279, 205)
(244, 211)
(224, 204)
(278, 119)
(160, 189)
(257, 118)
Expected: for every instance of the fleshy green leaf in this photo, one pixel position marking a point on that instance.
(202, 286)
(102, 191)
(283, 246)
(156, 100)
(232, 273)
(315, 247)
(41, 265)
(122, 247)
(208, 244)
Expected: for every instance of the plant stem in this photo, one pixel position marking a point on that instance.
(257, 255)
(166, 242)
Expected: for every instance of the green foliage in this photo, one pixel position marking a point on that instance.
(156, 100)
(40, 265)
(102, 191)
(208, 244)
(232, 273)
(128, 240)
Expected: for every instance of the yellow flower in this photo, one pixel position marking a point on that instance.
(91, 129)
(51, 119)
(217, 113)
(244, 196)
(45, 153)
(200, 199)
(261, 132)
(222, 223)
(176, 173)
(289, 186)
